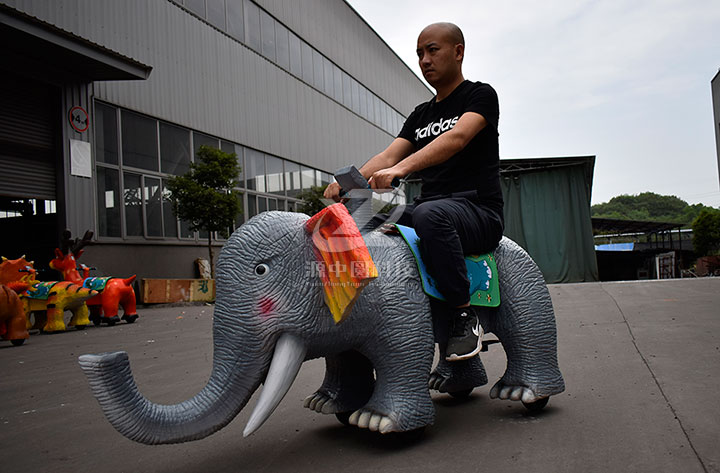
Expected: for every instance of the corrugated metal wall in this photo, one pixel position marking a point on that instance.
(207, 81)
(338, 32)
(78, 192)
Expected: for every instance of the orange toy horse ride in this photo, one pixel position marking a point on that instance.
(114, 292)
(12, 314)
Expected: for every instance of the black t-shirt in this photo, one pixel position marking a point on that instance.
(475, 167)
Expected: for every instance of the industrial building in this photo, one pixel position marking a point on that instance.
(715, 88)
(104, 100)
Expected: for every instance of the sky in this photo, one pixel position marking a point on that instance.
(625, 81)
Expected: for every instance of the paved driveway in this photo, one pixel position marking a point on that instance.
(641, 363)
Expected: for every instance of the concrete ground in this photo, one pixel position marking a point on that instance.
(641, 363)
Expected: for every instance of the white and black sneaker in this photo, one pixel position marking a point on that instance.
(465, 335)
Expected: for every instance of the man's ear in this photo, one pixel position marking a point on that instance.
(343, 261)
(459, 52)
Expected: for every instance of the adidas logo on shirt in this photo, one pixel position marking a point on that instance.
(435, 128)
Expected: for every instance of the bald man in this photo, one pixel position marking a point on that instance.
(451, 142)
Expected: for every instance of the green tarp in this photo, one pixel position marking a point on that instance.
(548, 214)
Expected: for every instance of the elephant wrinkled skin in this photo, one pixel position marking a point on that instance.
(270, 299)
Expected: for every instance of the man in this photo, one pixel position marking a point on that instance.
(452, 143)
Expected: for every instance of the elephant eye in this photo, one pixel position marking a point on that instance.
(262, 269)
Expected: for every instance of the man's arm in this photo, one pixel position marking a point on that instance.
(439, 150)
(398, 150)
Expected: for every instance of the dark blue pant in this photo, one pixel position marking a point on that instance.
(449, 228)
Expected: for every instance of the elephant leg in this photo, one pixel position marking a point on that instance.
(348, 384)
(530, 345)
(457, 376)
(401, 400)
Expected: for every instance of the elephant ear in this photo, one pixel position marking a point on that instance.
(343, 261)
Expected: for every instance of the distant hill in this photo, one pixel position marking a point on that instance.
(649, 206)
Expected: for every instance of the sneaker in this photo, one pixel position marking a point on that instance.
(465, 335)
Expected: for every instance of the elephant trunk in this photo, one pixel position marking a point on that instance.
(225, 394)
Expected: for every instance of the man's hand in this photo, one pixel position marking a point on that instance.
(333, 192)
(382, 180)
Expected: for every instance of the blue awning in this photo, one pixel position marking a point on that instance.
(615, 247)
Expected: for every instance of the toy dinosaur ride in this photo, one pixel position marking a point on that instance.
(113, 292)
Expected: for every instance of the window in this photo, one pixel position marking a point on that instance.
(295, 55)
(275, 181)
(196, 6)
(170, 223)
(200, 139)
(152, 198)
(338, 89)
(329, 81)
(106, 139)
(325, 178)
(241, 162)
(252, 26)
(252, 206)
(362, 92)
(255, 170)
(317, 70)
(377, 103)
(108, 199)
(139, 141)
(132, 193)
(355, 95)
(307, 64)
(308, 178)
(267, 34)
(216, 13)
(292, 179)
(235, 22)
(282, 46)
(174, 149)
(347, 90)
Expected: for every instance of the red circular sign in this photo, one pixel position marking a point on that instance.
(79, 119)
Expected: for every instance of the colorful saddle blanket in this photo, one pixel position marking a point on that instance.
(481, 271)
(40, 290)
(97, 284)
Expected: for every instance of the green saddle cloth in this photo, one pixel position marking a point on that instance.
(97, 284)
(481, 272)
(41, 290)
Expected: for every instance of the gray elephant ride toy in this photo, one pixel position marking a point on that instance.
(292, 288)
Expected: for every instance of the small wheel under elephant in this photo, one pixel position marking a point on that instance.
(80, 327)
(464, 394)
(536, 406)
(96, 321)
(17, 342)
(344, 418)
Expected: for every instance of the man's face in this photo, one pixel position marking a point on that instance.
(440, 60)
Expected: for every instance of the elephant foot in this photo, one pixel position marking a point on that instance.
(514, 393)
(374, 421)
(130, 318)
(321, 403)
(458, 376)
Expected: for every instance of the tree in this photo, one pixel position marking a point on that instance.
(649, 206)
(706, 232)
(312, 200)
(204, 196)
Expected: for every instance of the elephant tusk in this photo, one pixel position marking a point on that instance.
(289, 355)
